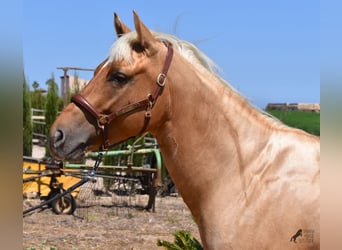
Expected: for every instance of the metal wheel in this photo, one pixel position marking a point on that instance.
(65, 205)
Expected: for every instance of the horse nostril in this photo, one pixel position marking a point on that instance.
(58, 138)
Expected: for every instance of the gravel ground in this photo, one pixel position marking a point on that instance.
(105, 226)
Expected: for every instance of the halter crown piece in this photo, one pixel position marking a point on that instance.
(103, 120)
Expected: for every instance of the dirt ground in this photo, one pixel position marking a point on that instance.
(104, 225)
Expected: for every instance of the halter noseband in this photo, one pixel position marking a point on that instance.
(103, 120)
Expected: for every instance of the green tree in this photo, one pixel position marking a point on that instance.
(51, 108)
(37, 97)
(75, 87)
(35, 85)
(27, 123)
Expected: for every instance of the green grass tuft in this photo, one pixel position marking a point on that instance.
(183, 241)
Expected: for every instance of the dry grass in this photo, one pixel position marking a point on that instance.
(103, 226)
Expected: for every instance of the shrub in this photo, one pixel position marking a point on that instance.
(184, 240)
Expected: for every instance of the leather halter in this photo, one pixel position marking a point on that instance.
(103, 120)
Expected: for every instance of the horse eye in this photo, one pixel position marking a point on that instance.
(118, 77)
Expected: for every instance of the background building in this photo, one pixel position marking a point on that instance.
(71, 85)
(308, 107)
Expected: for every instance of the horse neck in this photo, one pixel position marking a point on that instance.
(209, 131)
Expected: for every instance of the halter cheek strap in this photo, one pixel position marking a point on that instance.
(103, 120)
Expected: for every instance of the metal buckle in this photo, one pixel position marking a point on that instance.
(161, 80)
(148, 113)
(102, 120)
(148, 109)
(149, 105)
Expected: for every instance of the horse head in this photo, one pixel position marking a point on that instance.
(120, 99)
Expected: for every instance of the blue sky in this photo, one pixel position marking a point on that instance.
(268, 50)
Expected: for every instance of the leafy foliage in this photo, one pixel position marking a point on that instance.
(37, 98)
(27, 124)
(51, 107)
(184, 240)
(76, 87)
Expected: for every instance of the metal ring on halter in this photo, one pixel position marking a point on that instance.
(150, 100)
(149, 106)
(148, 113)
(102, 120)
(161, 79)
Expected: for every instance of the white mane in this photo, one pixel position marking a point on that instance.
(121, 50)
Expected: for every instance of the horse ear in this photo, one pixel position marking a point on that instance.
(145, 36)
(120, 27)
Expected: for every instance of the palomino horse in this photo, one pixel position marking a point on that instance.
(250, 181)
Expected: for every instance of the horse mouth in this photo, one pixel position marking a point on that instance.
(75, 155)
(78, 153)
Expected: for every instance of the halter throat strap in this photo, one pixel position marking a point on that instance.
(103, 120)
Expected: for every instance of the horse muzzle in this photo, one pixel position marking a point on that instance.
(66, 146)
